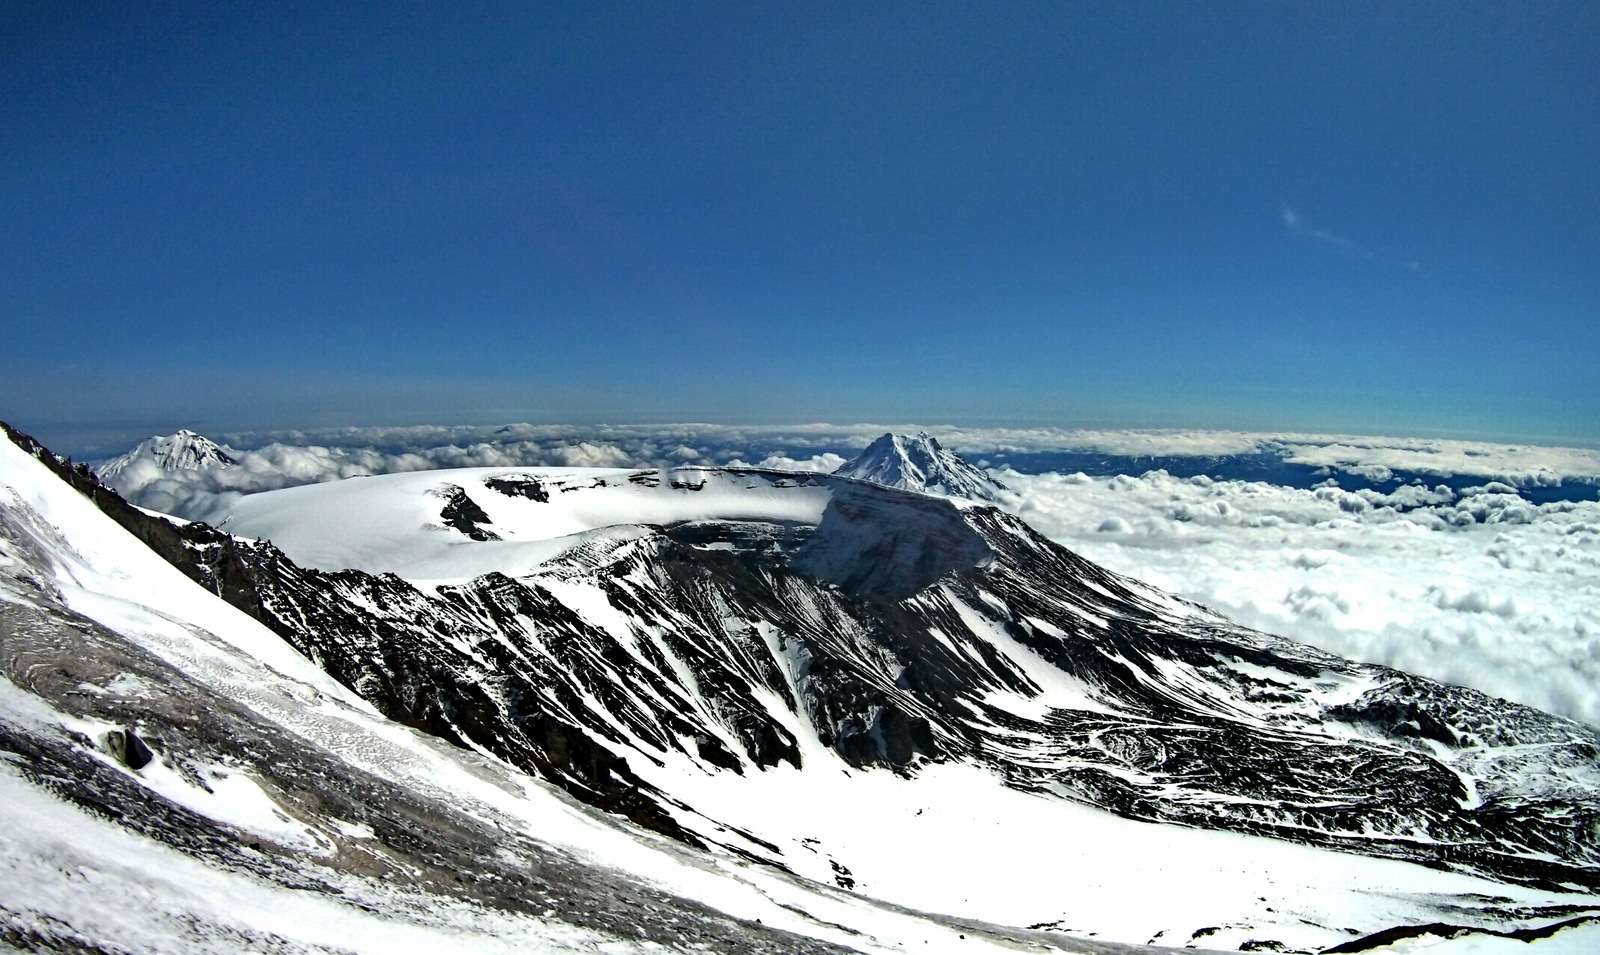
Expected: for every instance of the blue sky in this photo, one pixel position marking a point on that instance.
(1377, 218)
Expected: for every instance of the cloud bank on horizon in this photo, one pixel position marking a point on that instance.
(1463, 579)
(650, 445)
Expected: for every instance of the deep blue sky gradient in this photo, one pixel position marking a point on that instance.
(1344, 216)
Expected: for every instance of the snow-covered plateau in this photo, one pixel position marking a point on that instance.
(726, 709)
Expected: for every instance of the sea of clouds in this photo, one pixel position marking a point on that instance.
(1464, 579)
(1482, 588)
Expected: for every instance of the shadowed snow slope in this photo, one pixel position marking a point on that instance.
(925, 701)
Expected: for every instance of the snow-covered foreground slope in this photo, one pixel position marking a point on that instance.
(925, 702)
(175, 779)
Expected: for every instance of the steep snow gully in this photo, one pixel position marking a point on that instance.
(824, 707)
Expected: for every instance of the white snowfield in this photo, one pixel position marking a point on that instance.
(391, 523)
(952, 839)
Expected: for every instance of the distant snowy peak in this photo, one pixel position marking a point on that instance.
(184, 451)
(920, 463)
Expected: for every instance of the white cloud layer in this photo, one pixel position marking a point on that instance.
(1518, 464)
(1475, 586)
(1481, 589)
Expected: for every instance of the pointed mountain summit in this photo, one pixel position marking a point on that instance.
(184, 451)
(920, 463)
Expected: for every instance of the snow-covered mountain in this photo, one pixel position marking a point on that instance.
(184, 451)
(176, 779)
(893, 696)
(671, 644)
(920, 463)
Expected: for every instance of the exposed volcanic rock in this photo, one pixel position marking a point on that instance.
(529, 487)
(463, 514)
(903, 628)
(888, 545)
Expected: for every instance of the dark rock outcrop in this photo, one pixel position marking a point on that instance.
(462, 513)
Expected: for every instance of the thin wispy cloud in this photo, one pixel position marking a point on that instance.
(1339, 245)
